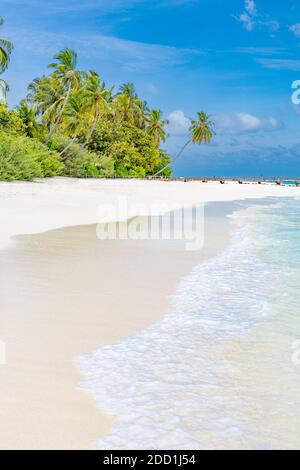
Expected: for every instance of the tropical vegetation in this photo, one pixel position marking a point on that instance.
(6, 48)
(201, 132)
(72, 124)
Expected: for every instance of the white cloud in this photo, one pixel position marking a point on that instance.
(248, 15)
(121, 52)
(101, 6)
(281, 64)
(261, 50)
(151, 88)
(248, 122)
(250, 7)
(272, 25)
(139, 54)
(178, 123)
(240, 123)
(295, 28)
(226, 124)
(247, 21)
(251, 18)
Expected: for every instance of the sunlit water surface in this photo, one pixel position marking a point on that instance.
(222, 369)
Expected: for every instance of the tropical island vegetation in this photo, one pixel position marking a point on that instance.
(72, 124)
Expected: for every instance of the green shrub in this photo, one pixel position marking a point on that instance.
(126, 160)
(133, 150)
(80, 162)
(105, 134)
(10, 121)
(32, 127)
(59, 142)
(85, 164)
(165, 159)
(22, 158)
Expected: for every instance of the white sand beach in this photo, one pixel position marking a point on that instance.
(64, 293)
(27, 208)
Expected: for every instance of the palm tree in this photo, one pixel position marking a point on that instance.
(134, 109)
(201, 132)
(202, 128)
(125, 108)
(68, 77)
(84, 108)
(76, 121)
(141, 114)
(47, 96)
(98, 99)
(128, 89)
(6, 48)
(28, 114)
(155, 126)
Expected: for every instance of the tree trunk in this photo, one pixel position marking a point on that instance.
(68, 146)
(60, 114)
(174, 159)
(91, 133)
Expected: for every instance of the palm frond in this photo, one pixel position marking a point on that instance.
(4, 88)
(6, 48)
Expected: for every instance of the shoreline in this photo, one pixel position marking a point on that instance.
(53, 203)
(60, 415)
(68, 315)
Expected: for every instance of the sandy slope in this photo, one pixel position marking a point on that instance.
(60, 202)
(64, 292)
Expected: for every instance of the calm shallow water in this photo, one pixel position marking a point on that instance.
(221, 370)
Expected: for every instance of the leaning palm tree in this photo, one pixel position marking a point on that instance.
(98, 100)
(76, 119)
(47, 96)
(84, 109)
(156, 126)
(201, 132)
(68, 77)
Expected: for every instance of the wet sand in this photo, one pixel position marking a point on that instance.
(65, 292)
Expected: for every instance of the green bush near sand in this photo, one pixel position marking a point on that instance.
(80, 127)
(22, 158)
(10, 120)
(164, 163)
(85, 164)
(79, 162)
(123, 151)
(72, 124)
(133, 151)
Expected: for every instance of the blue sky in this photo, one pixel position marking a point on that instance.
(235, 59)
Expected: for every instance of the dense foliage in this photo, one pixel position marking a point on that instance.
(74, 119)
(80, 162)
(133, 151)
(25, 158)
(10, 121)
(72, 124)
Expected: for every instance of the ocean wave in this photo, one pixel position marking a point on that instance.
(177, 384)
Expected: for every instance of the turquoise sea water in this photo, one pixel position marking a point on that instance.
(290, 183)
(222, 370)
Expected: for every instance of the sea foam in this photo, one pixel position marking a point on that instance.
(178, 384)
